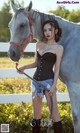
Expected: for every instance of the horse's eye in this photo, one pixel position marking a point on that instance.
(22, 25)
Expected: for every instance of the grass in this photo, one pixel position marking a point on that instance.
(6, 62)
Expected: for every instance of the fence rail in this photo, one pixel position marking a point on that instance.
(18, 98)
(12, 73)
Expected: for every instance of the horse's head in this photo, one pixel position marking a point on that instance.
(21, 31)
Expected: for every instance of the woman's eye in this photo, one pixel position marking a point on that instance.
(44, 30)
(22, 25)
(50, 29)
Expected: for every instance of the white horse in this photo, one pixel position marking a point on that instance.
(26, 25)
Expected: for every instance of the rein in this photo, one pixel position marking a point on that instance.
(25, 74)
(27, 38)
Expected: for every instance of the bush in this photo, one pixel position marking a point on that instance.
(14, 85)
(20, 115)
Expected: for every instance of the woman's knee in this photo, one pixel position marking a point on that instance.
(56, 116)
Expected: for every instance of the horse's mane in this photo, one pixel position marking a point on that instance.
(47, 16)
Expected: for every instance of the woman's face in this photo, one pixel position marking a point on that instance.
(48, 31)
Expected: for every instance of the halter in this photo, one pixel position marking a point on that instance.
(27, 38)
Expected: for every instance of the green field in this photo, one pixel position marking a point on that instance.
(6, 62)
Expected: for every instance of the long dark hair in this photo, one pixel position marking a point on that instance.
(54, 24)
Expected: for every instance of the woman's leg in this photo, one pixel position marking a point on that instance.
(37, 109)
(55, 115)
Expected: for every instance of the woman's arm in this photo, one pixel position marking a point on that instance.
(56, 69)
(57, 65)
(31, 65)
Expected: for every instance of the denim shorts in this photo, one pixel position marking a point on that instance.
(44, 85)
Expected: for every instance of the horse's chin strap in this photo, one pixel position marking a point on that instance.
(30, 36)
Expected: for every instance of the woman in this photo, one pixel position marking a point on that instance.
(47, 60)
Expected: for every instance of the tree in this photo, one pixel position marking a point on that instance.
(73, 15)
(5, 17)
(61, 11)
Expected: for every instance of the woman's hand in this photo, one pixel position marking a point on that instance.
(20, 70)
(52, 90)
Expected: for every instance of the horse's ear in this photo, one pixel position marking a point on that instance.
(14, 7)
(29, 7)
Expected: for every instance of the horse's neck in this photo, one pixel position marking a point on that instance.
(37, 30)
(65, 24)
(39, 18)
(67, 29)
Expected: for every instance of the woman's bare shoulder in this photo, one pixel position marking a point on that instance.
(38, 44)
(60, 49)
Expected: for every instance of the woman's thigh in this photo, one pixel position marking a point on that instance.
(55, 114)
(37, 106)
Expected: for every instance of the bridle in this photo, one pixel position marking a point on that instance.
(27, 38)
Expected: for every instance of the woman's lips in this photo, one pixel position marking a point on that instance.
(47, 36)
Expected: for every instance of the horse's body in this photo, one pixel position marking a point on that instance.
(70, 65)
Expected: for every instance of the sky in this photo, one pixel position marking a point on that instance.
(46, 5)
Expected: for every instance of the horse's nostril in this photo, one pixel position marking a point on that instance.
(14, 54)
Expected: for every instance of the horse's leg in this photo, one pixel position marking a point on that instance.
(74, 93)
